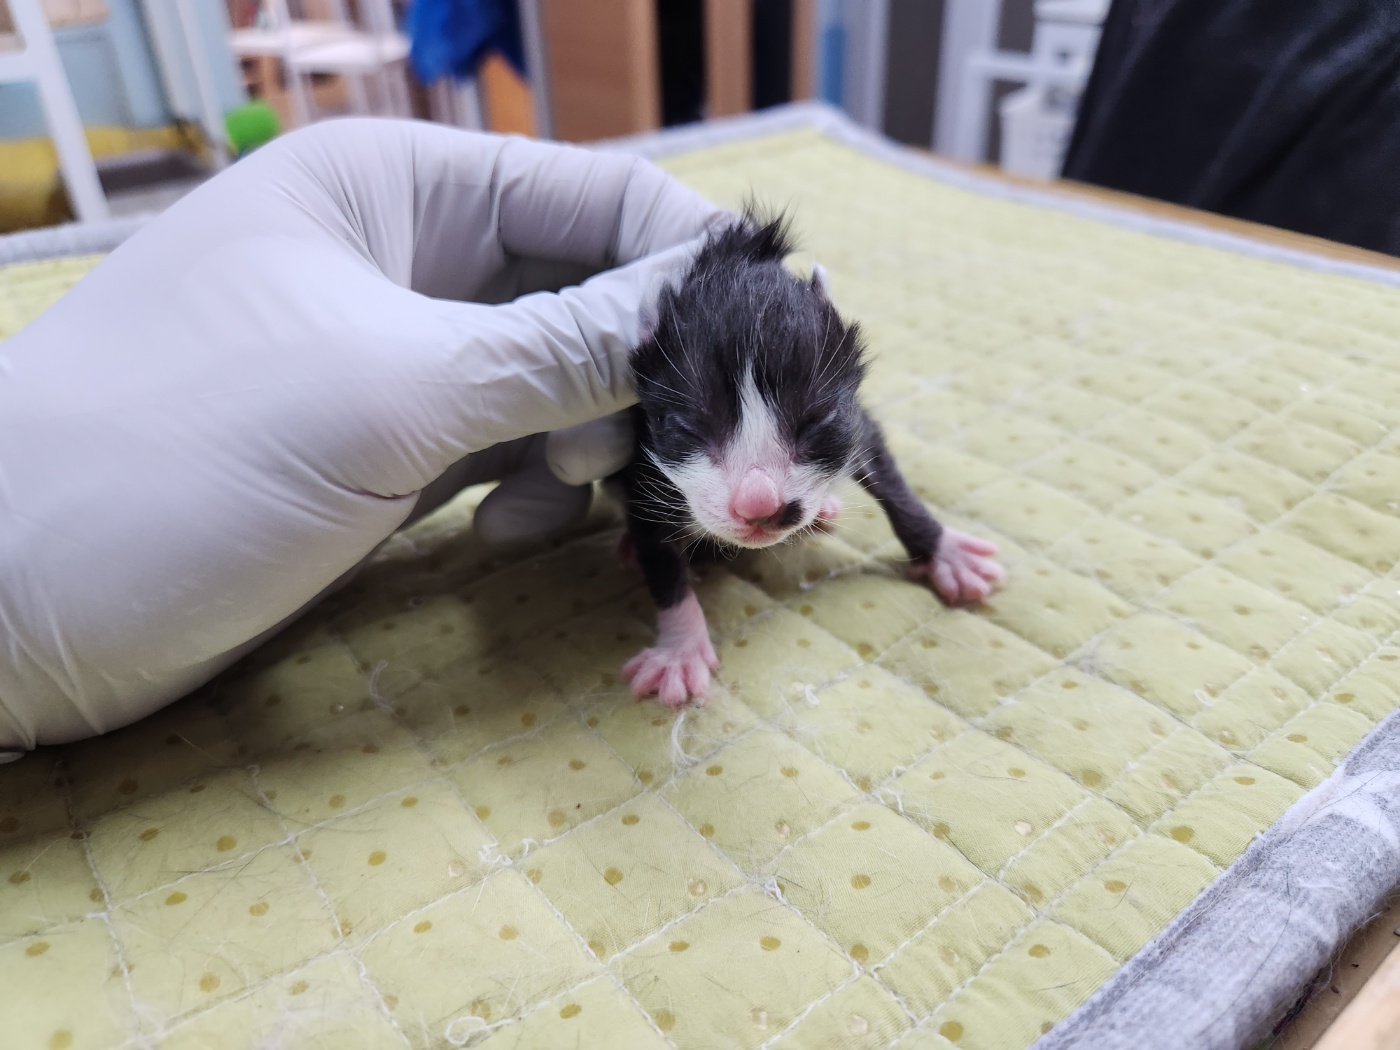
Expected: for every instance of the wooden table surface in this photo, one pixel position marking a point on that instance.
(1357, 1006)
(1266, 234)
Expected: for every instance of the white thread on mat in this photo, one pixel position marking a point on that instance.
(372, 685)
(471, 1025)
(492, 859)
(679, 758)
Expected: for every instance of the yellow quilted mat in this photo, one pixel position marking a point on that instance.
(430, 815)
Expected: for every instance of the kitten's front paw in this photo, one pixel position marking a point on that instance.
(674, 675)
(963, 571)
(827, 514)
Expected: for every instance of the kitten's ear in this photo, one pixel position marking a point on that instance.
(820, 282)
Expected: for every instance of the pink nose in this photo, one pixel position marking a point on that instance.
(756, 498)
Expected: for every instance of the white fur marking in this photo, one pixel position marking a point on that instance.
(709, 484)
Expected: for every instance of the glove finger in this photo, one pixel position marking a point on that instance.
(546, 362)
(590, 451)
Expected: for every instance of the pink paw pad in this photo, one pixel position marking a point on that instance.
(677, 668)
(963, 571)
(673, 677)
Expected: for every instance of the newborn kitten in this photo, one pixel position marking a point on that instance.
(748, 414)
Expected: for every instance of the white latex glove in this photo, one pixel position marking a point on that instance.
(245, 399)
(590, 451)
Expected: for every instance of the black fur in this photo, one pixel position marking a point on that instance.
(739, 309)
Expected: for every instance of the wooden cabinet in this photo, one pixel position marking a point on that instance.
(604, 73)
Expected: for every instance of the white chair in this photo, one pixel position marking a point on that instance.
(180, 46)
(36, 59)
(1038, 121)
(1067, 31)
(970, 63)
(376, 52)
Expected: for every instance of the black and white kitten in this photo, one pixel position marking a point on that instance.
(748, 414)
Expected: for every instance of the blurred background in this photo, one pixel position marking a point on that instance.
(116, 107)
(1277, 111)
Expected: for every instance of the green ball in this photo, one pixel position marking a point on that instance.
(250, 126)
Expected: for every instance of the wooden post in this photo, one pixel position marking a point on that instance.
(604, 67)
(728, 57)
(804, 29)
(1372, 1020)
(507, 97)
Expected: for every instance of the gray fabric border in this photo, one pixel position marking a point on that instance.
(1228, 966)
(1238, 956)
(58, 242)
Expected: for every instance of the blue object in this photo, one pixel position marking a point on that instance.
(833, 64)
(449, 37)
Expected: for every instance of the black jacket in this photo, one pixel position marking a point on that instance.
(1285, 112)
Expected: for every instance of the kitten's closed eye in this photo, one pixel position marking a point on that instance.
(683, 430)
(812, 429)
(676, 433)
(823, 439)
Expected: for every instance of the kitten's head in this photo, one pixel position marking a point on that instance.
(747, 388)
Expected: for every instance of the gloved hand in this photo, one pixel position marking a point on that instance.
(245, 399)
(545, 479)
